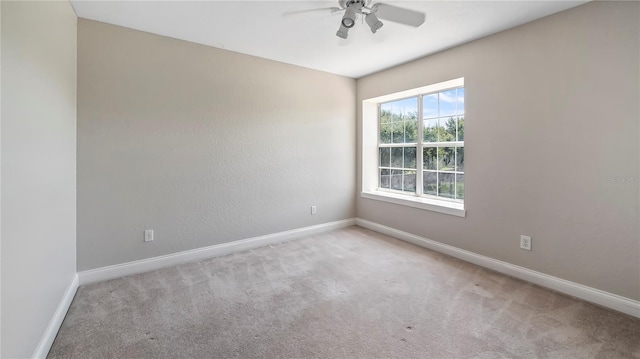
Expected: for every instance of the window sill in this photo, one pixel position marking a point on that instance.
(445, 207)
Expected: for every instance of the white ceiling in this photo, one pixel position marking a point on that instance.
(267, 29)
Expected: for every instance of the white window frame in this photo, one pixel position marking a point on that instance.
(370, 153)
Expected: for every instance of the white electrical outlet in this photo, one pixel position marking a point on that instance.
(525, 242)
(314, 210)
(148, 235)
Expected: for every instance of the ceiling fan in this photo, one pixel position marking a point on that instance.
(372, 15)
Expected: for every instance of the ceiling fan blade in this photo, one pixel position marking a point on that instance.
(399, 14)
(332, 10)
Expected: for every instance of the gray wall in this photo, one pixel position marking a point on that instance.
(551, 146)
(0, 181)
(204, 146)
(38, 168)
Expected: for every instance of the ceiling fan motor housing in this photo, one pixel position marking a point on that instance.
(346, 3)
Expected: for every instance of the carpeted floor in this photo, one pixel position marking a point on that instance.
(350, 293)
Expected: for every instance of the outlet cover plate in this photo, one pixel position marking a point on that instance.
(525, 242)
(148, 235)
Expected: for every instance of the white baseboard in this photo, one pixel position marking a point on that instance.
(150, 264)
(56, 321)
(605, 299)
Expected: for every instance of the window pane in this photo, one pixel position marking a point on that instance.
(460, 186)
(385, 109)
(409, 181)
(398, 132)
(399, 110)
(460, 93)
(406, 106)
(385, 113)
(447, 129)
(411, 109)
(409, 157)
(461, 128)
(447, 103)
(392, 111)
(396, 157)
(446, 158)
(430, 106)
(411, 130)
(460, 159)
(446, 185)
(430, 130)
(396, 180)
(396, 115)
(385, 157)
(384, 178)
(430, 158)
(385, 133)
(430, 183)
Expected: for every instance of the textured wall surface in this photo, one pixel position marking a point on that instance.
(38, 168)
(204, 146)
(551, 146)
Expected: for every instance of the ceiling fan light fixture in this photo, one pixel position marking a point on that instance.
(349, 17)
(372, 20)
(343, 32)
(348, 23)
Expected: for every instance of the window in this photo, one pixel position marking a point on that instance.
(398, 123)
(419, 144)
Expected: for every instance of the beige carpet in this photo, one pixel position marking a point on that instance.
(349, 293)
